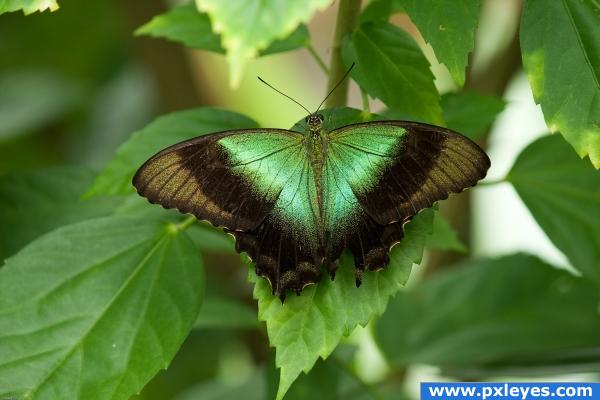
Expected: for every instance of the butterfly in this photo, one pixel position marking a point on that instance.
(295, 200)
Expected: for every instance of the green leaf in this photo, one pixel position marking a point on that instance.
(469, 112)
(93, 310)
(563, 194)
(443, 237)
(223, 313)
(209, 239)
(514, 310)
(311, 325)
(378, 10)
(33, 203)
(248, 26)
(560, 44)
(27, 6)
(32, 99)
(162, 132)
(449, 26)
(391, 67)
(187, 25)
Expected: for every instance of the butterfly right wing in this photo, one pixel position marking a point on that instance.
(382, 174)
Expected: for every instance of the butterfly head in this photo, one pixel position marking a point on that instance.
(315, 122)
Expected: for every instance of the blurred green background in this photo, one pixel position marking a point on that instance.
(74, 85)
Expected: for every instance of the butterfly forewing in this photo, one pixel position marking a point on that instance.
(221, 177)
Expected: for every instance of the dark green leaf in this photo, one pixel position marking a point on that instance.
(32, 99)
(337, 117)
(252, 388)
(247, 26)
(27, 6)
(223, 313)
(449, 26)
(200, 359)
(511, 310)
(563, 194)
(560, 44)
(187, 25)
(443, 237)
(94, 310)
(162, 132)
(311, 325)
(322, 382)
(33, 203)
(470, 113)
(295, 40)
(391, 67)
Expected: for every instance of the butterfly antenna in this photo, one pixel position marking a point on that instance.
(283, 94)
(336, 86)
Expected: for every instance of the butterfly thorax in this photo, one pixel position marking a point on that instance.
(316, 150)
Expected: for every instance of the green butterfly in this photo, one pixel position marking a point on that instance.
(294, 201)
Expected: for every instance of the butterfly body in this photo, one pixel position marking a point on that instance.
(294, 201)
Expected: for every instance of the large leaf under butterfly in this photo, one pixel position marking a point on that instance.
(295, 200)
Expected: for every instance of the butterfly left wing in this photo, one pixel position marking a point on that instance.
(258, 184)
(380, 174)
(231, 179)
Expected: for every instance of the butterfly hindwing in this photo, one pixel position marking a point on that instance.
(389, 171)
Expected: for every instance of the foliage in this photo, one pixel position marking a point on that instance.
(561, 54)
(449, 27)
(442, 325)
(560, 191)
(27, 6)
(247, 27)
(469, 112)
(37, 202)
(165, 131)
(443, 237)
(100, 290)
(147, 282)
(390, 66)
(192, 28)
(310, 326)
(19, 113)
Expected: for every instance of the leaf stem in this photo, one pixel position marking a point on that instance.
(347, 18)
(317, 58)
(492, 182)
(186, 223)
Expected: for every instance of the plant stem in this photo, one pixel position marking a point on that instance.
(346, 21)
(365, 102)
(317, 58)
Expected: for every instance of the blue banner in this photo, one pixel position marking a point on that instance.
(509, 390)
